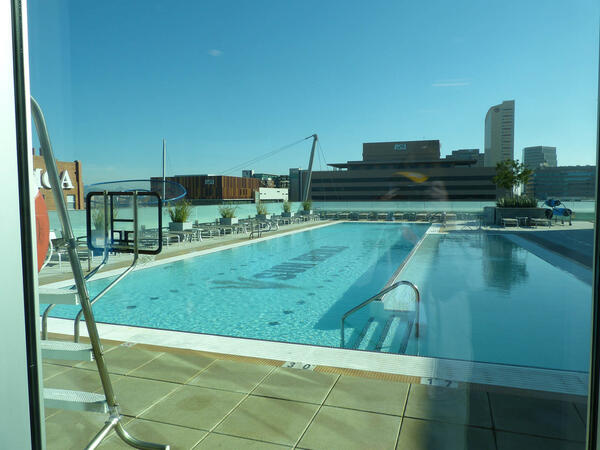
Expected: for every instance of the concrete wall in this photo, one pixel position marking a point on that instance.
(273, 194)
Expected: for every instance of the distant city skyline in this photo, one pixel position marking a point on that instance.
(225, 83)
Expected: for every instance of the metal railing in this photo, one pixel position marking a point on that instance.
(379, 296)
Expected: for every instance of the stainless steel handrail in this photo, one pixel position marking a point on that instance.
(378, 296)
(114, 421)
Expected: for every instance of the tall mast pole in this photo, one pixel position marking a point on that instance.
(163, 167)
(310, 164)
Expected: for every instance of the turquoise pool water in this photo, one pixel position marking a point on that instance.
(294, 288)
(483, 297)
(487, 299)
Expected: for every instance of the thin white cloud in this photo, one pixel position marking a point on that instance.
(451, 83)
(215, 52)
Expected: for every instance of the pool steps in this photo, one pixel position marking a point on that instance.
(53, 296)
(75, 400)
(384, 331)
(67, 351)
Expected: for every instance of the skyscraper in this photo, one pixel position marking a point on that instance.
(540, 155)
(499, 143)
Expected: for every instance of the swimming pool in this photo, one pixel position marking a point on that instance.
(483, 297)
(293, 288)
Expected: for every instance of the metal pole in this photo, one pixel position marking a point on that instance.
(310, 164)
(163, 167)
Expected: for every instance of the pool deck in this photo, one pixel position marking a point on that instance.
(195, 400)
(221, 399)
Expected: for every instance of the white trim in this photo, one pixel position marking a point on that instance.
(531, 378)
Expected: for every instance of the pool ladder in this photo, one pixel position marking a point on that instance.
(69, 399)
(379, 297)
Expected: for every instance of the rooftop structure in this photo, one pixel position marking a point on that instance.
(407, 151)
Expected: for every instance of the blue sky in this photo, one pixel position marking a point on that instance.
(224, 82)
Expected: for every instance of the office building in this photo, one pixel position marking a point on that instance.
(217, 188)
(564, 182)
(384, 177)
(538, 156)
(499, 141)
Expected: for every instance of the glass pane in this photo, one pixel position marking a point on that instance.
(376, 223)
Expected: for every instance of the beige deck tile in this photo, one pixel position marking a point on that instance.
(77, 380)
(194, 407)
(225, 442)
(175, 367)
(339, 428)
(123, 359)
(268, 419)
(513, 441)
(179, 438)
(419, 434)
(294, 384)
(541, 417)
(460, 405)
(73, 429)
(231, 376)
(135, 395)
(50, 370)
(386, 397)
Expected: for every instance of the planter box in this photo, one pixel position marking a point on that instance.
(180, 226)
(305, 213)
(513, 213)
(228, 220)
(263, 216)
(98, 241)
(287, 214)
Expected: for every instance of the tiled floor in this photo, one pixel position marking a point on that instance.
(206, 401)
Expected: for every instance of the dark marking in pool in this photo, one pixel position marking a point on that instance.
(173, 290)
(311, 293)
(191, 284)
(221, 273)
(300, 302)
(327, 281)
(153, 298)
(273, 323)
(287, 311)
(131, 307)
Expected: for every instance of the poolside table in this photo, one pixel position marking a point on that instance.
(523, 221)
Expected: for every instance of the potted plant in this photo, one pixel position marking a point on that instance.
(287, 207)
(227, 213)
(509, 175)
(262, 212)
(97, 218)
(180, 215)
(306, 207)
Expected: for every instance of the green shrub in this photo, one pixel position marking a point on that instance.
(520, 201)
(181, 212)
(307, 205)
(261, 208)
(227, 211)
(287, 206)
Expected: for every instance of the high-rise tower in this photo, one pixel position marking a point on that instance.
(499, 143)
